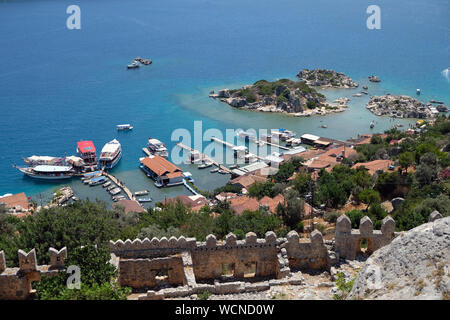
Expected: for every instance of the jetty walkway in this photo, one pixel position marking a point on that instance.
(205, 157)
(119, 184)
(230, 145)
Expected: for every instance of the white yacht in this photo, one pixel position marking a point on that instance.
(156, 147)
(110, 155)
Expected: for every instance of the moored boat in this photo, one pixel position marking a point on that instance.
(86, 151)
(141, 193)
(43, 160)
(110, 155)
(133, 65)
(106, 184)
(98, 180)
(156, 147)
(145, 199)
(115, 191)
(48, 172)
(205, 165)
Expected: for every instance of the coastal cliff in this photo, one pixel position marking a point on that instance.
(398, 107)
(326, 78)
(284, 95)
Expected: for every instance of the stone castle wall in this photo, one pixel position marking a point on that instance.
(146, 264)
(16, 283)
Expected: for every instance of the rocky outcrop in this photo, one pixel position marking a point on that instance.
(398, 107)
(326, 78)
(415, 265)
(287, 96)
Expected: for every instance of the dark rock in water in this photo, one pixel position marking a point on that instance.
(442, 108)
(365, 87)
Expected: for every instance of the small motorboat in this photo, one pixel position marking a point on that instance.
(324, 126)
(214, 170)
(222, 171)
(110, 187)
(133, 65)
(372, 125)
(106, 184)
(364, 92)
(205, 165)
(145, 199)
(123, 127)
(115, 191)
(418, 91)
(365, 87)
(119, 197)
(141, 193)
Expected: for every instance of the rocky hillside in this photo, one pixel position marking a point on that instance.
(326, 78)
(278, 96)
(398, 107)
(413, 266)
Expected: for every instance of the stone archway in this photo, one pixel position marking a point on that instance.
(364, 247)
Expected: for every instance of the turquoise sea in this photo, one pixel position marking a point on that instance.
(59, 86)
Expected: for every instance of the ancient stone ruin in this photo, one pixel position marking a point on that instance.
(16, 283)
(183, 266)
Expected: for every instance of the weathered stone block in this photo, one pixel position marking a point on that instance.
(57, 258)
(27, 261)
(343, 224)
(2, 261)
(251, 238)
(435, 215)
(231, 239)
(366, 226)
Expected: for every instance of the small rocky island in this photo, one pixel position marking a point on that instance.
(326, 78)
(400, 107)
(284, 95)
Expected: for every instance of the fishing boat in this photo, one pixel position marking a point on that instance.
(141, 193)
(98, 180)
(43, 160)
(110, 187)
(122, 127)
(156, 147)
(110, 155)
(214, 170)
(106, 184)
(133, 65)
(48, 172)
(145, 199)
(205, 165)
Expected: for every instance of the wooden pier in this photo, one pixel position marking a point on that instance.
(119, 184)
(272, 144)
(205, 157)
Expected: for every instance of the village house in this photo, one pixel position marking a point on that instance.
(195, 202)
(376, 166)
(16, 204)
(129, 206)
(247, 180)
(162, 171)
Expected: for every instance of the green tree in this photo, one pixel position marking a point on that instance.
(405, 160)
(370, 197)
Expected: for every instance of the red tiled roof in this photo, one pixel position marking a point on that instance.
(374, 166)
(194, 202)
(129, 206)
(159, 165)
(19, 199)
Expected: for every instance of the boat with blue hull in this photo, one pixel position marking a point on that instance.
(110, 155)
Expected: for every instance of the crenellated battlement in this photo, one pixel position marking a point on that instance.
(15, 283)
(348, 241)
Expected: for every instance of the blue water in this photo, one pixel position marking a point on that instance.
(58, 86)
